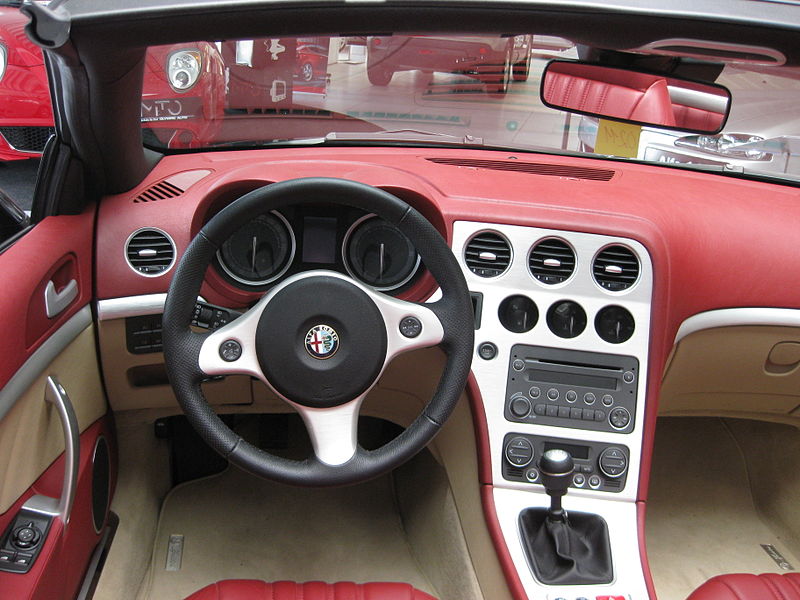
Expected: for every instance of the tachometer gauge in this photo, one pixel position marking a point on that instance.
(260, 251)
(378, 254)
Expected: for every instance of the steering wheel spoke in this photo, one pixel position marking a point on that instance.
(408, 325)
(333, 431)
(231, 350)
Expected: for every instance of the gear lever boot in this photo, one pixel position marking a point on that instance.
(564, 549)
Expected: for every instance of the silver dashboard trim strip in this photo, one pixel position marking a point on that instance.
(32, 368)
(738, 317)
(130, 306)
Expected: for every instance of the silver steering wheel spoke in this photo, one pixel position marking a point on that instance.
(333, 431)
(231, 350)
(409, 326)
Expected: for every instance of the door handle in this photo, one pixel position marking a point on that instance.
(56, 302)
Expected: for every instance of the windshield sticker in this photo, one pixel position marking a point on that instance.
(618, 139)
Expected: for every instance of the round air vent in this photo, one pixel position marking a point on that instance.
(488, 254)
(150, 252)
(616, 268)
(552, 261)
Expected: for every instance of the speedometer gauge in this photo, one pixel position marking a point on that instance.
(260, 251)
(378, 254)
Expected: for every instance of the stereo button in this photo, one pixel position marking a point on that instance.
(589, 398)
(520, 406)
(534, 392)
(571, 396)
(539, 409)
(628, 377)
(552, 410)
(518, 365)
(563, 412)
(552, 393)
(575, 413)
(608, 400)
(619, 418)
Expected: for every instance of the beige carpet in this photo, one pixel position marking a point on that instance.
(237, 526)
(701, 519)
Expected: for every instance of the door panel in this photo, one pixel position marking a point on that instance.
(47, 329)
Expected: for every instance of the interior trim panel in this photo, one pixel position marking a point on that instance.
(735, 317)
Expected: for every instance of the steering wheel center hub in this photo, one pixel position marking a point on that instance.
(321, 341)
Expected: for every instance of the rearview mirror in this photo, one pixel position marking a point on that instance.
(635, 96)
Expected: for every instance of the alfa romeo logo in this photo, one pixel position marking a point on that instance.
(322, 341)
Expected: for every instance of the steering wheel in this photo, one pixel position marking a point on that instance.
(319, 340)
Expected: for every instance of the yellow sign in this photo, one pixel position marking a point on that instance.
(617, 139)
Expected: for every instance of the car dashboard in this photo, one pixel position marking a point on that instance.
(581, 273)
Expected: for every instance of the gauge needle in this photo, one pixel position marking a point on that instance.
(380, 266)
(253, 263)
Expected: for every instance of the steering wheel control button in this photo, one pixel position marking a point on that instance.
(322, 342)
(613, 462)
(619, 418)
(410, 327)
(518, 365)
(520, 406)
(230, 350)
(519, 451)
(487, 350)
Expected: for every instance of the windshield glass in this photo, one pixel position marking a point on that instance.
(448, 90)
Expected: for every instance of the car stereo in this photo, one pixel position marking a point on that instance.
(571, 388)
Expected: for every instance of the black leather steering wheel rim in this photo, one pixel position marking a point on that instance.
(182, 345)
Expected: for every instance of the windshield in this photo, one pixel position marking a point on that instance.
(448, 90)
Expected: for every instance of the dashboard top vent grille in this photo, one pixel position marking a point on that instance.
(488, 254)
(150, 252)
(616, 268)
(160, 191)
(531, 168)
(552, 261)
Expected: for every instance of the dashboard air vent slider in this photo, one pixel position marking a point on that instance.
(531, 168)
(488, 254)
(616, 268)
(552, 261)
(150, 252)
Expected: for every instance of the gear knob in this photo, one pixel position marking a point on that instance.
(555, 467)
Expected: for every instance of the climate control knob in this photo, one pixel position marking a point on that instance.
(613, 462)
(519, 451)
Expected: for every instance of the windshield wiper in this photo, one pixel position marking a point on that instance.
(404, 135)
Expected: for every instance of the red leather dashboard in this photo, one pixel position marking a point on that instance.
(715, 242)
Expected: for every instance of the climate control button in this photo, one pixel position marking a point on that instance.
(613, 462)
(519, 451)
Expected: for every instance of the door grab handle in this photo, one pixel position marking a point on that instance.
(56, 302)
(56, 395)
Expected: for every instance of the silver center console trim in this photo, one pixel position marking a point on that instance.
(618, 508)
(738, 317)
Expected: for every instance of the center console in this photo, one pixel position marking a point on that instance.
(561, 355)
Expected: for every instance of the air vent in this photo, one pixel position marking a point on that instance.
(150, 252)
(552, 261)
(488, 254)
(531, 168)
(160, 191)
(616, 268)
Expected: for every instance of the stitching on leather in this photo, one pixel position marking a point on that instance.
(733, 591)
(773, 588)
(792, 582)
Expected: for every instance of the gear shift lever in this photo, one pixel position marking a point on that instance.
(562, 551)
(556, 467)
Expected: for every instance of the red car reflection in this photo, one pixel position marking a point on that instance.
(182, 101)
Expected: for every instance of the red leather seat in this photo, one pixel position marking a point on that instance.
(250, 589)
(768, 586)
